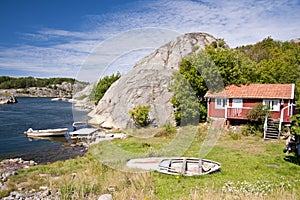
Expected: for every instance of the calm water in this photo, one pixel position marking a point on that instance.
(37, 113)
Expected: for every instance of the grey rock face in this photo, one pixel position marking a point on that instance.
(147, 84)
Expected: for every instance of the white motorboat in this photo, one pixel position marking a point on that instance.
(46, 132)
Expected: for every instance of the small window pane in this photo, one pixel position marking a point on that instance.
(273, 105)
(220, 103)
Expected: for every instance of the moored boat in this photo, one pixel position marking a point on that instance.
(79, 125)
(46, 132)
(60, 99)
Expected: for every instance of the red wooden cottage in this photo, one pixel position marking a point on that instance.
(234, 102)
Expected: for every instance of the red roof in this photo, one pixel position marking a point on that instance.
(256, 91)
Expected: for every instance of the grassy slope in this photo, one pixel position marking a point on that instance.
(244, 175)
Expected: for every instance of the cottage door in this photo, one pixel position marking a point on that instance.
(237, 105)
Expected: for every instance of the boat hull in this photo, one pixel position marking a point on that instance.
(79, 125)
(46, 133)
(188, 166)
(175, 165)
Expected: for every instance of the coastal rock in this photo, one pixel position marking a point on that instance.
(42, 195)
(147, 84)
(8, 100)
(9, 167)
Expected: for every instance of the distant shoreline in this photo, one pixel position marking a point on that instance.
(36, 92)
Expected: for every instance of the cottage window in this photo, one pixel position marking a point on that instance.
(220, 103)
(237, 103)
(273, 105)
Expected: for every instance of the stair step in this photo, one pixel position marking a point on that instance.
(272, 131)
(272, 135)
(271, 138)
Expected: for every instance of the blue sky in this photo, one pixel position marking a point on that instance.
(47, 38)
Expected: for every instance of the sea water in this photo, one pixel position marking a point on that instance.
(37, 113)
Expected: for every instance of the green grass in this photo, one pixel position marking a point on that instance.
(251, 169)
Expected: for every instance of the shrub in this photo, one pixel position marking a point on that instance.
(140, 115)
(234, 136)
(258, 113)
(296, 124)
(250, 129)
(167, 129)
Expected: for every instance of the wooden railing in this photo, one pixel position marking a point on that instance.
(266, 125)
(237, 113)
(285, 114)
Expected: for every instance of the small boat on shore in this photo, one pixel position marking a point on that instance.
(188, 166)
(79, 125)
(46, 132)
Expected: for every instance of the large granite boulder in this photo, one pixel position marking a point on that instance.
(147, 84)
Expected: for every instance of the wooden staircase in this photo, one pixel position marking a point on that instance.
(271, 129)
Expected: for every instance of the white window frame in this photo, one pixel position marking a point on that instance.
(220, 103)
(237, 103)
(272, 104)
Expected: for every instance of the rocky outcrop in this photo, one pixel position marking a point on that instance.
(8, 100)
(147, 84)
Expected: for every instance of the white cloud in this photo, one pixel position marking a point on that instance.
(238, 22)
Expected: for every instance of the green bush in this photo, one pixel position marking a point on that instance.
(140, 115)
(258, 113)
(250, 129)
(296, 124)
(167, 129)
(234, 136)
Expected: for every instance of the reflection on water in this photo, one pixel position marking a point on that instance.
(52, 139)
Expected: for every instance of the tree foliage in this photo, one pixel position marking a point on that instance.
(7, 82)
(296, 125)
(102, 86)
(275, 62)
(233, 66)
(140, 115)
(258, 113)
(187, 108)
